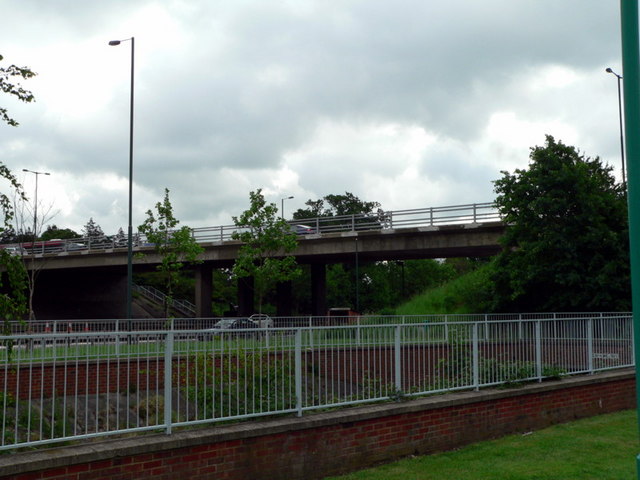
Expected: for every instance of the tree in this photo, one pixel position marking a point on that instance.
(92, 230)
(14, 89)
(566, 245)
(14, 282)
(267, 242)
(30, 219)
(335, 205)
(53, 231)
(176, 246)
(120, 240)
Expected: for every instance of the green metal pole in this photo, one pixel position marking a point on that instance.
(631, 82)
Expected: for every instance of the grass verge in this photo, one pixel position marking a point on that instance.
(469, 293)
(602, 448)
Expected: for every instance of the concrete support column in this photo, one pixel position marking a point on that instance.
(246, 306)
(319, 289)
(204, 290)
(284, 293)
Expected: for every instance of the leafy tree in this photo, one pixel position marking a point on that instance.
(14, 280)
(349, 204)
(92, 230)
(335, 205)
(267, 242)
(225, 293)
(566, 245)
(176, 246)
(53, 231)
(13, 300)
(14, 89)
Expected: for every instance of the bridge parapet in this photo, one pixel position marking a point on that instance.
(425, 219)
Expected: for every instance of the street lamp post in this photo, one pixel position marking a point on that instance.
(129, 228)
(35, 204)
(619, 78)
(282, 205)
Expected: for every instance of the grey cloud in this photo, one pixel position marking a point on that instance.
(251, 82)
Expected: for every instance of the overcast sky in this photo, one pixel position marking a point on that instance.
(411, 103)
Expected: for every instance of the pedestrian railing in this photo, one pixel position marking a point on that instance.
(191, 323)
(184, 307)
(62, 386)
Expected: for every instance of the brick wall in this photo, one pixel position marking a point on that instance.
(318, 445)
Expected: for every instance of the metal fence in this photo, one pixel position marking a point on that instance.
(191, 323)
(63, 386)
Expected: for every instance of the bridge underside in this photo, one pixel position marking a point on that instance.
(81, 285)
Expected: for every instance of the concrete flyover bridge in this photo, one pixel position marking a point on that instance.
(86, 277)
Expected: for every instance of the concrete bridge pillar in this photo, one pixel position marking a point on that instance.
(246, 304)
(284, 293)
(319, 289)
(204, 290)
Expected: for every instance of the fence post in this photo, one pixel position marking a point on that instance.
(486, 328)
(446, 328)
(520, 337)
(168, 366)
(398, 360)
(629, 323)
(590, 343)
(298, 370)
(538, 350)
(476, 358)
(358, 330)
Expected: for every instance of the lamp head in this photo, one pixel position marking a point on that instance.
(114, 42)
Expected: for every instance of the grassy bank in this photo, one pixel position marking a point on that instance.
(469, 293)
(602, 448)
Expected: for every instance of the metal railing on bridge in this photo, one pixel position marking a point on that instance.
(62, 386)
(468, 214)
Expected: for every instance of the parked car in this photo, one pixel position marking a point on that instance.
(262, 320)
(240, 327)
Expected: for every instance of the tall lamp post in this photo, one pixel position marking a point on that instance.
(619, 78)
(35, 203)
(282, 205)
(129, 228)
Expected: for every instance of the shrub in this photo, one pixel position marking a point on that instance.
(243, 383)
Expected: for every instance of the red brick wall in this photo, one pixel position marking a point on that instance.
(81, 378)
(317, 445)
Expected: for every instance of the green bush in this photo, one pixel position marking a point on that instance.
(240, 384)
